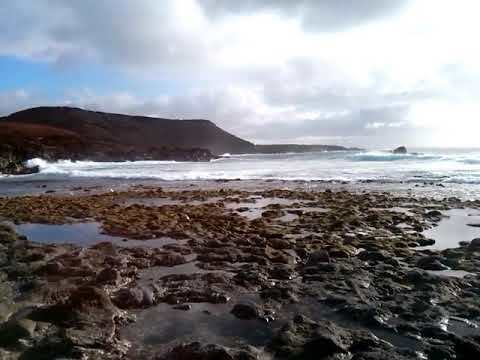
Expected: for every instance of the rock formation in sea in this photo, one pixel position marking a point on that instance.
(401, 150)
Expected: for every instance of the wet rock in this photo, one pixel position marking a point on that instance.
(135, 297)
(434, 215)
(320, 256)
(426, 242)
(306, 339)
(477, 225)
(374, 255)
(169, 260)
(108, 276)
(54, 268)
(14, 330)
(474, 244)
(197, 351)
(432, 263)
(246, 311)
(281, 272)
(401, 150)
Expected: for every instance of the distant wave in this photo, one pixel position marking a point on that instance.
(388, 156)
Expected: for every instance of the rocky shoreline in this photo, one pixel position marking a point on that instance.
(270, 274)
(13, 160)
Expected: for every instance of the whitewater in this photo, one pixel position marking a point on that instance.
(438, 166)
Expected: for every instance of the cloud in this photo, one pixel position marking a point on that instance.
(315, 15)
(339, 70)
(239, 110)
(379, 126)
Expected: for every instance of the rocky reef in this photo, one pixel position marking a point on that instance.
(270, 274)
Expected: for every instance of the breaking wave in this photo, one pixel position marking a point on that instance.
(447, 167)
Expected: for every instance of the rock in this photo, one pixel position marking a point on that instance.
(108, 276)
(54, 268)
(477, 225)
(474, 244)
(197, 351)
(16, 329)
(401, 150)
(374, 255)
(169, 260)
(434, 214)
(136, 297)
(183, 307)
(319, 256)
(246, 311)
(426, 242)
(305, 339)
(12, 161)
(432, 263)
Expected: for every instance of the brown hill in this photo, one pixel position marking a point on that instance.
(134, 132)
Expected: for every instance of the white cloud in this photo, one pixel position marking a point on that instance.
(313, 69)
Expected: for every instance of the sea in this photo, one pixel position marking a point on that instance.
(458, 168)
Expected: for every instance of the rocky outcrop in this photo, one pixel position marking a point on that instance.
(12, 161)
(401, 150)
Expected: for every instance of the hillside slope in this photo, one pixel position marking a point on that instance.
(134, 131)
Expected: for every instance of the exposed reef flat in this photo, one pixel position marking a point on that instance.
(232, 273)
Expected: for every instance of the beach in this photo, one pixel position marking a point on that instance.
(253, 269)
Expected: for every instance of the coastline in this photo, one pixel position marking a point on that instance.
(261, 268)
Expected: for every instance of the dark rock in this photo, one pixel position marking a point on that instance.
(431, 263)
(183, 307)
(474, 244)
(108, 276)
(374, 255)
(16, 329)
(305, 339)
(474, 225)
(434, 214)
(246, 311)
(426, 242)
(197, 351)
(136, 297)
(319, 256)
(401, 150)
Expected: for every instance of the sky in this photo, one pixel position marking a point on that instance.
(370, 73)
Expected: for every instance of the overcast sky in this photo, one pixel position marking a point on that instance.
(374, 73)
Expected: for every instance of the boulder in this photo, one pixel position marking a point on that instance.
(401, 150)
(246, 311)
(474, 244)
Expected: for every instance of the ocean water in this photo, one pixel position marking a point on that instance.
(451, 166)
